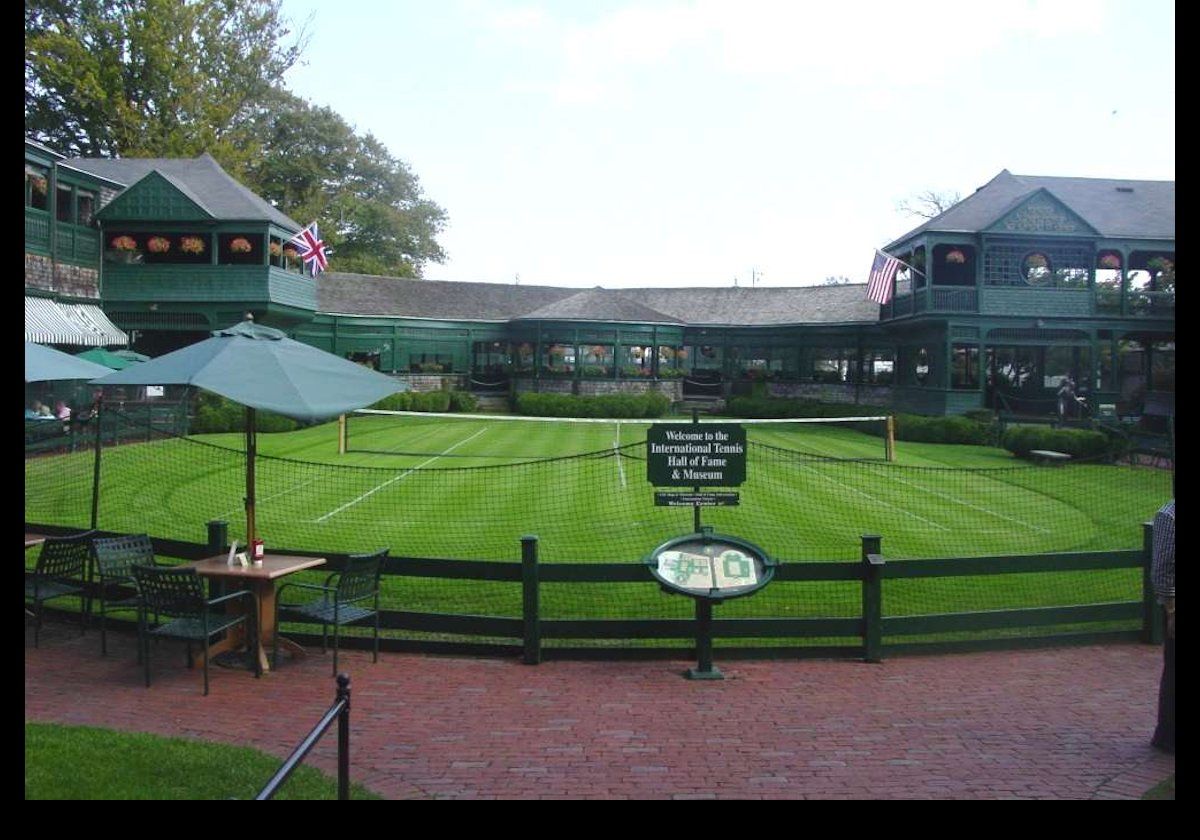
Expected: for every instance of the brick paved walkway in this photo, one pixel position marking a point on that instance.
(1069, 723)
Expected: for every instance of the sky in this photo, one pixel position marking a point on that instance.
(706, 142)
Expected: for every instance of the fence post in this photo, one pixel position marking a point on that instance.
(532, 630)
(1152, 626)
(872, 598)
(343, 696)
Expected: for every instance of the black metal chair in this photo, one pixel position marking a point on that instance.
(116, 588)
(61, 570)
(340, 603)
(176, 594)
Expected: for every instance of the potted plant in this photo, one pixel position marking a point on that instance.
(955, 257)
(240, 245)
(158, 245)
(124, 249)
(191, 245)
(1110, 261)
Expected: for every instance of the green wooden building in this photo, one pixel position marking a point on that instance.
(1028, 280)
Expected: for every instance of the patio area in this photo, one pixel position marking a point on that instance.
(1062, 723)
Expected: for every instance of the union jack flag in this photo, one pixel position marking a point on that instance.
(312, 249)
(883, 272)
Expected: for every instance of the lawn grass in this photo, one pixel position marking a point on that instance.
(456, 488)
(80, 762)
(1163, 790)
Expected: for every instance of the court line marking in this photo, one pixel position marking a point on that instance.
(968, 504)
(875, 500)
(393, 480)
(617, 454)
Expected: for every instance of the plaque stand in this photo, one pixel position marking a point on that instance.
(704, 670)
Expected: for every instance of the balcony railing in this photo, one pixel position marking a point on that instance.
(73, 243)
(955, 299)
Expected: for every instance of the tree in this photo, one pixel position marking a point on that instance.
(105, 78)
(373, 212)
(928, 204)
(836, 281)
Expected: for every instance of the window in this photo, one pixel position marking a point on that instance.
(1036, 270)
(86, 207)
(37, 187)
(964, 367)
(64, 204)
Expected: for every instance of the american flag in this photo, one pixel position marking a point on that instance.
(883, 272)
(312, 249)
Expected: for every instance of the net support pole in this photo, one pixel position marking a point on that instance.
(872, 598)
(531, 623)
(889, 439)
(1152, 625)
(341, 434)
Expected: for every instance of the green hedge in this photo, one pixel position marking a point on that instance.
(1078, 443)
(619, 406)
(463, 401)
(979, 428)
(436, 401)
(216, 414)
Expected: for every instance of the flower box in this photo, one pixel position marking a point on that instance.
(124, 243)
(1110, 261)
(955, 257)
(240, 245)
(191, 245)
(158, 245)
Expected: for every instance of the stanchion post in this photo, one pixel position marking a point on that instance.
(343, 759)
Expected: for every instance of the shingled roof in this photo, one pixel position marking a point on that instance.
(600, 305)
(1114, 208)
(366, 295)
(202, 179)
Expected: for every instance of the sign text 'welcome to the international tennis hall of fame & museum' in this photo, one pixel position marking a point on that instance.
(696, 455)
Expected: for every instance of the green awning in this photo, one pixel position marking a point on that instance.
(51, 322)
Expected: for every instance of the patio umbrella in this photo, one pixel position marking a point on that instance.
(45, 364)
(107, 358)
(130, 355)
(262, 368)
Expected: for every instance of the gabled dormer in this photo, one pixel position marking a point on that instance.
(187, 248)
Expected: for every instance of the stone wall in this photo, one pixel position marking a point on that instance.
(63, 278)
(833, 393)
(423, 382)
(670, 388)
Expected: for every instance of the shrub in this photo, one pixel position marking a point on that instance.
(463, 401)
(216, 414)
(915, 427)
(619, 406)
(1078, 443)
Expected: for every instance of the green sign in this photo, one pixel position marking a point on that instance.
(696, 455)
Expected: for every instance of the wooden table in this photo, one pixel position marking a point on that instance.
(261, 581)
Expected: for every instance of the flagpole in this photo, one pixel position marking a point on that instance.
(902, 262)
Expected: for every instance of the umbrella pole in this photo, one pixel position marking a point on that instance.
(251, 453)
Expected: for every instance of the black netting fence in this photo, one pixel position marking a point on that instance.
(597, 507)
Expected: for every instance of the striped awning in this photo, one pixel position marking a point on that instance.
(50, 322)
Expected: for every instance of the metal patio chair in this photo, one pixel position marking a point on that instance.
(353, 597)
(62, 567)
(176, 595)
(116, 588)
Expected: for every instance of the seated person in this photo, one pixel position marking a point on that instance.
(44, 412)
(62, 411)
(31, 412)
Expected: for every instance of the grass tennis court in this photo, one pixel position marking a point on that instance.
(469, 488)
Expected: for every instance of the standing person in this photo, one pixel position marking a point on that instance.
(1162, 574)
